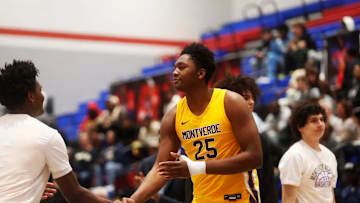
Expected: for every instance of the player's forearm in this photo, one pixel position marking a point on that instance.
(151, 185)
(84, 195)
(245, 161)
(289, 193)
(288, 198)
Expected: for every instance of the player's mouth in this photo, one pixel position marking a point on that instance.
(175, 81)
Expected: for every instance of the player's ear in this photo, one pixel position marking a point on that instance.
(201, 73)
(31, 96)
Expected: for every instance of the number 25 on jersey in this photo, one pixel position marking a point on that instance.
(211, 151)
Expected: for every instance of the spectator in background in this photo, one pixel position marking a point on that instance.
(116, 158)
(299, 93)
(127, 130)
(171, 99)
(308, 170)
(83, 160)
(292, 88)
(149, 132)
(248, 89)
(276, 53)
(93, 111)
(343, 114)
(351, 59)
(270, 54)
(111, 114)
(175, 191)
(351, 178)
(319, 89)
(259, 64)
(48, 116)
(276, 120)
(283, 34)
(329, 139)
(350, 129)
(354, 93)
(298, 48)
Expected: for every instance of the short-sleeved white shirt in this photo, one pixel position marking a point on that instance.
(313, 172)
(29, 151)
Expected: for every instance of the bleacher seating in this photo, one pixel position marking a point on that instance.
(69, 123)
(234, 36)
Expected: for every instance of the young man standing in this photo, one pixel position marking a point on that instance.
(217, 131)
(249, 90)
(308, 170)
(30, 150)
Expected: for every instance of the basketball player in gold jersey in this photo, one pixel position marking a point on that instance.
(218, 133)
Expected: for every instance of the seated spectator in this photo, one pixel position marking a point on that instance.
(115, 157)
(354, 93)
(111, 114)
(299, 46)
(149, 132)
(259, 64)
(343, 112)
(329, 139)
(171, 99)
(93, 111)
(299, 93)
(292, 89)
(82, 161)
(351, 177)
(350, 130)
(317, 87)
(276, 120)
(248, 89)
(269, 55)
(282, 33)
(351, 58)
(126, 130)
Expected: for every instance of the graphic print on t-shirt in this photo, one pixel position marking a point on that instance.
(322, 176)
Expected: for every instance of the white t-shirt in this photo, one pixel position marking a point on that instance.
(313, 172)
(29, 151)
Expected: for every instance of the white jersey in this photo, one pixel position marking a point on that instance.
(313, 172)
(29, 151)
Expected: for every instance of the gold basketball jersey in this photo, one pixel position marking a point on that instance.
(210, 136)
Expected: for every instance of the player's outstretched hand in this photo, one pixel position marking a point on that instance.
(49, 191)
(174, 169)
(125, 200)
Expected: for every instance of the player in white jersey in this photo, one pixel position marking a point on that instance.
(29, 149)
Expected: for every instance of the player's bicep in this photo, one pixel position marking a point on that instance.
(169, 141)
(243, 124)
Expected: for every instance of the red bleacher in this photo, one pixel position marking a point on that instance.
(333, 15)
(341, 9)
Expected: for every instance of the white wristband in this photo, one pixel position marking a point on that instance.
(195, 167)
